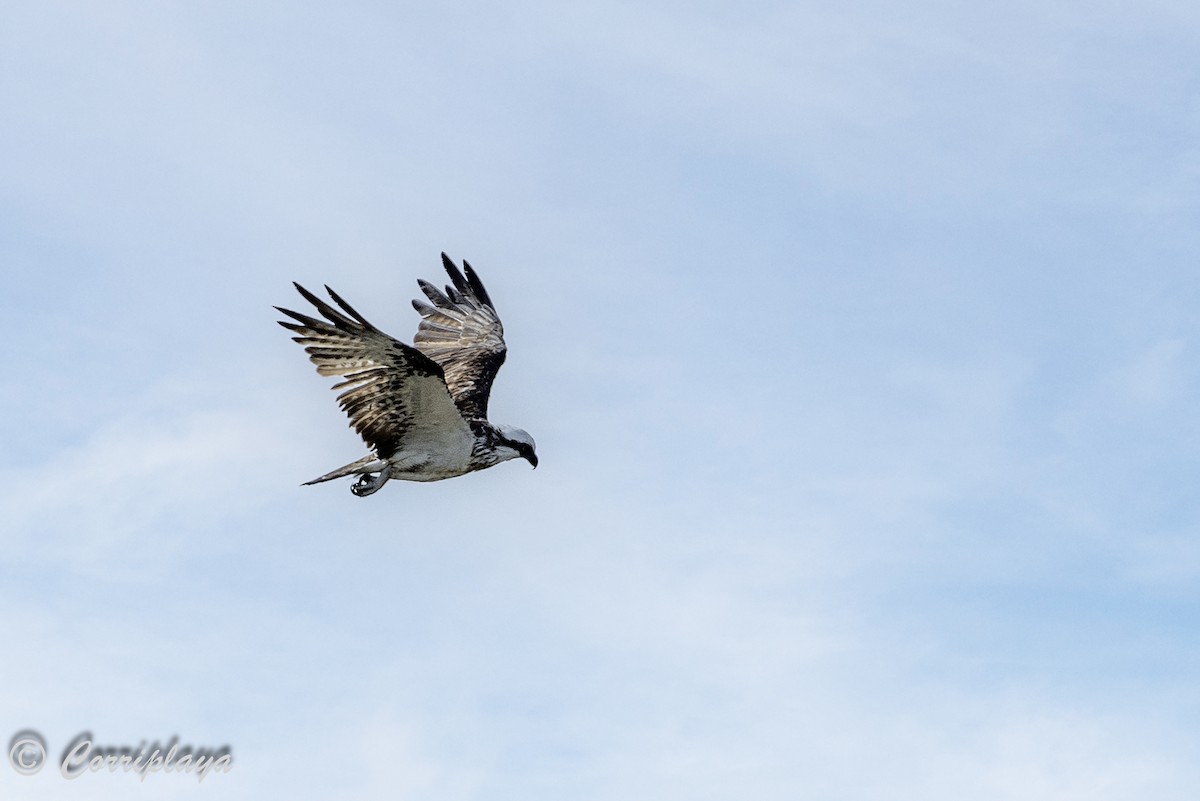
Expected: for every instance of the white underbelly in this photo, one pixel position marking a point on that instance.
(433, 458)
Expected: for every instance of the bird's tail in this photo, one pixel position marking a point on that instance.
(367, 464)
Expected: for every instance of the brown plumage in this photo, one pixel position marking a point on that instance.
(462, 333)
(423, 409)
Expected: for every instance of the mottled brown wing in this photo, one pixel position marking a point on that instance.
(462, 332)
(391, 389)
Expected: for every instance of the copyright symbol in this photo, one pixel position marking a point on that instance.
(27, 752)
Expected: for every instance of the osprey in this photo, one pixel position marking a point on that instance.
(422, 410)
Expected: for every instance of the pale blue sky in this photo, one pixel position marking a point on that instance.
(859, 343)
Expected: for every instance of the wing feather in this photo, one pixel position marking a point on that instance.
(462, 332)
(391, 390)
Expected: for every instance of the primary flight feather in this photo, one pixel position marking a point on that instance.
(422, 410)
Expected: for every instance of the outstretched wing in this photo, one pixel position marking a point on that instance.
(392, 390)
(461, 331)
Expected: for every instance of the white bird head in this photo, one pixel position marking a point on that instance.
(515, 442)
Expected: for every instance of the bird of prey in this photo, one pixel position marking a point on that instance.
(422, 410)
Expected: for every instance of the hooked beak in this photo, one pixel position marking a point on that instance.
(532, 459)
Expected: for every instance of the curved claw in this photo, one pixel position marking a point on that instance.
(369, 484)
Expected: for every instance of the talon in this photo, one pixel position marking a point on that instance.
(369, 483)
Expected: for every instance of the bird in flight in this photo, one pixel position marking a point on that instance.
(422, 410)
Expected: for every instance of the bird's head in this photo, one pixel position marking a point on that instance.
(513, 443)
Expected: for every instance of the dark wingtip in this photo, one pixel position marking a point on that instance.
(348, 309)
(433, 293)
(455, 274)
(310, 297)
(304, 319)
(449, 266)
(476, 285)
